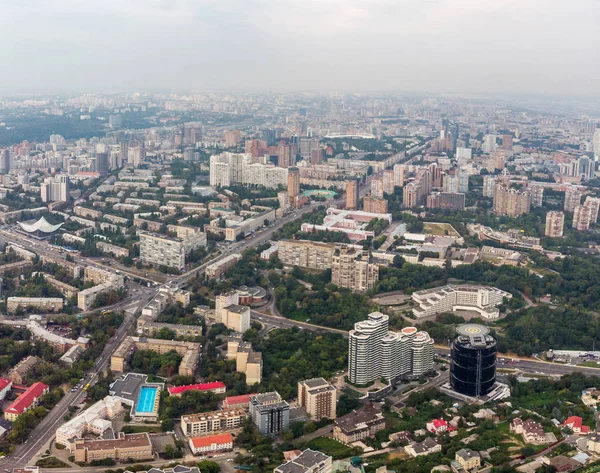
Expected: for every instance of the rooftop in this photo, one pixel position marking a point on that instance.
(197, 387)
(211, 439)
(24, 401)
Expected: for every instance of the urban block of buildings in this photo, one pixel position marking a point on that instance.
(247, 361)
(195, 425)
(481, 299)
(137, 447)
(350, 222)
(309, 461)
(188, 350)
(353, 269)
(358, 425)
(26, 401)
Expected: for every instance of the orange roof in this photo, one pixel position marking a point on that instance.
(211, 440)
(25, 400)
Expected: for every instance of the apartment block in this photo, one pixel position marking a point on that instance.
(216, 270)
(230, 313)
(511, 202)
(45, 304)
(352, 268)
(318, 398)
(352, 195)
(124, 447)
(188, 350)
(375, 352)
(270, 413)
(582, 218)
(194, 425)
(555, 222)
(161, 250)
(446, 200)
(67, 290)
(482, 299)
(247, 361)
(305, 253)
(375, 205)
(572, 199)
(116, 251)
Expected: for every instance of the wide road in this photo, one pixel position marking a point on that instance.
(528, 365)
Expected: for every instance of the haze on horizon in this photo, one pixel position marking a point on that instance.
(447, 46)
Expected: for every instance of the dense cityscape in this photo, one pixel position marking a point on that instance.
(299, 237)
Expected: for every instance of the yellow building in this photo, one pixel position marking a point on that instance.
(125, 446)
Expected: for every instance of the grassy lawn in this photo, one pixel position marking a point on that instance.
(333, 448)
(52, 462)
(590, 364)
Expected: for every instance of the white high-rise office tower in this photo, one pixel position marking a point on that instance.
(596, 144)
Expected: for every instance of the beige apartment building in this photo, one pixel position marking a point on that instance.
(216, 269)
(247, 361)
(116, 251)
(125, 446)
(318, 398)
(352, 268)
(555, 222)
(45, 304)
(194, 425)
(305, 253)
(511, 202)
(188, 350)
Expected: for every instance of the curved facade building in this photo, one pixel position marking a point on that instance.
(473, 363)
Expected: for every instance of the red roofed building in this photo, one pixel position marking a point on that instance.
(212, 443)
(575, 423)
(5, 385)
(216, 387)
(28, 400)
(437, 426)
(237, 402)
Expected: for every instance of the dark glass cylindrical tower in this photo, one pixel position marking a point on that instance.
(473, 360)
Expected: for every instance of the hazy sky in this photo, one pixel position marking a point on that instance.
(478, 46)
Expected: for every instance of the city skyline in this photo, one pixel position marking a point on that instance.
(459, 46)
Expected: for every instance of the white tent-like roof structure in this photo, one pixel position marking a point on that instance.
(41, 225)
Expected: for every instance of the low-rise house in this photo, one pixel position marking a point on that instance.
(26, 401)
(532, 431)
(211, 443)
(426, 447)
(18, 374)
(468, 459)
(309, 461)
(438, 426)
(575, 423)
(5, 385)
(237, 402)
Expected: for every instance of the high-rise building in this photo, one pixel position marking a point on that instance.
(446, 200)
(307, 145)
(572, 199)
(582, 217)
(463, 156)
(450, 183)
(388, 181)
(102, 163)
(596, 144)
(293, 184)
(462, 178)
(286, 155)
(227, 169)
(352, 268)
(555, 222)
(375, 352)
(318, 398)
(269, 413)
(316, 156)
(306, 253)
(56, 189)
(399, 175)
(511, 202)
(377, 187)
(5, 161)
(410, 195)
(232, 138)
(136, 155)
(373, 205)
(192, 134)
(435, 172)
(489, 186)
(594, 204)
(473, 360)
(352, 195)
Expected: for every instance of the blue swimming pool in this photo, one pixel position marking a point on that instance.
(146, 399)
